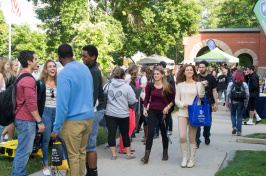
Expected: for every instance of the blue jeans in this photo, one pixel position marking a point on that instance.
(206, 130)
(48, 119)
(26, 131)
(236, 115)
(92, 140)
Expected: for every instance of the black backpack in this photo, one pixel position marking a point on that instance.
(238, 92)
(8, 102)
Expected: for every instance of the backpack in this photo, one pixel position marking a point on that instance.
(8, 102)
(238, 92)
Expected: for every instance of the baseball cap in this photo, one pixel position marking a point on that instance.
(162, 63)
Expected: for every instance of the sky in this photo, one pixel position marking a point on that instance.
(27, 13)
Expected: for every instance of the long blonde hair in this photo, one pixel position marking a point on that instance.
(166, 87)
(12, 63)
(44, 74)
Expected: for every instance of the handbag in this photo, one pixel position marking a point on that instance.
(199, 115)
(37, 145)
(59, 155)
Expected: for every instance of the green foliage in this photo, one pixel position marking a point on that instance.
(236, 13)
(3, 36)
(25, 39)
(106, 34)
(228, 14)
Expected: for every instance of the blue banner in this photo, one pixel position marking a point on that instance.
(211, 44)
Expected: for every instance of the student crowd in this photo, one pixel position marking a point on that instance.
(71, 105)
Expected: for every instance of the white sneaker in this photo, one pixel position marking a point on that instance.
(250, 122)
(46, 172)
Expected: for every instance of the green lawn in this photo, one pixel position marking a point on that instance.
(34, 164)
(254, 120)
(257, 135)
(246, 163)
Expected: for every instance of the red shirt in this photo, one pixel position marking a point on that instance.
(156, 98)
(26, 90)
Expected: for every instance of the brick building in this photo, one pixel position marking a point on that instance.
(248, 42)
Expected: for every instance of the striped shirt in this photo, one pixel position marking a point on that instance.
(50, 97)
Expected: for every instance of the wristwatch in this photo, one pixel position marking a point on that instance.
(168, 106)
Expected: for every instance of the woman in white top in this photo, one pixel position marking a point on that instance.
(187, 89)
(47, 97)
(4, 65)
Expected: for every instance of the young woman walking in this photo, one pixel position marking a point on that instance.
(120, 97)
(47, 99)
(161, 96)
(133, 72)
(187, 89)
(237, 106)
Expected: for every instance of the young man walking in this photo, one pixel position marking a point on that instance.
(74, 109)
(89, 57)
(26, 113)
(211, 94)
(254, 88)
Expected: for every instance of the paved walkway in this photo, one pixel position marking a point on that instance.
(208, 158)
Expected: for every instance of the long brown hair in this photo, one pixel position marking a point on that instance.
(3, 62)
(166, 87)
(133, 71)
(148, 71)
(181, 77)
(44, 74)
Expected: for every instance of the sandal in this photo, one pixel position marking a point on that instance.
(132, 150)
(125, 152)
(130, 157)
(113, 157)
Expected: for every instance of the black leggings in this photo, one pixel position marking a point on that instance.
(154, 116)
(112, 123)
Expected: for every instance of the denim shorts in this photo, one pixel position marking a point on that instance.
(92, 140)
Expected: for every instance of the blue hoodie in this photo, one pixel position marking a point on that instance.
(74, 99)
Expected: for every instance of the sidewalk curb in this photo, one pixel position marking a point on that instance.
(251, 140)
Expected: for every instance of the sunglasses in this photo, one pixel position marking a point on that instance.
(52, 92)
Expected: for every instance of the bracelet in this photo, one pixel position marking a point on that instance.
(168, 106)
(40, 122)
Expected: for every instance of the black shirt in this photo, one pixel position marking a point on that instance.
(210, 86)
(222, 82)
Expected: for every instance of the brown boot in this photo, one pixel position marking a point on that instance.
(145, 159)
(145, 133)
(165, 155)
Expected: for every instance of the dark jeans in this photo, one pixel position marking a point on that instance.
(236, 115)
(154, 116)
(112, 124)
(206, 130)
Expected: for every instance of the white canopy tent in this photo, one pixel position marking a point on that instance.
(155, 59)
(138, 56)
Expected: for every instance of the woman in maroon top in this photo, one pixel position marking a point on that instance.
(161, 97)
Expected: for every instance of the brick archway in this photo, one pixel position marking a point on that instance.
(250, 52)
(203, 43)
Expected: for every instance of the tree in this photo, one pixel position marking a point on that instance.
(105, 33)
(3, 36)
(25, 39)
(237, 13)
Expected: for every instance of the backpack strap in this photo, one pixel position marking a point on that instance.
(22, 76)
